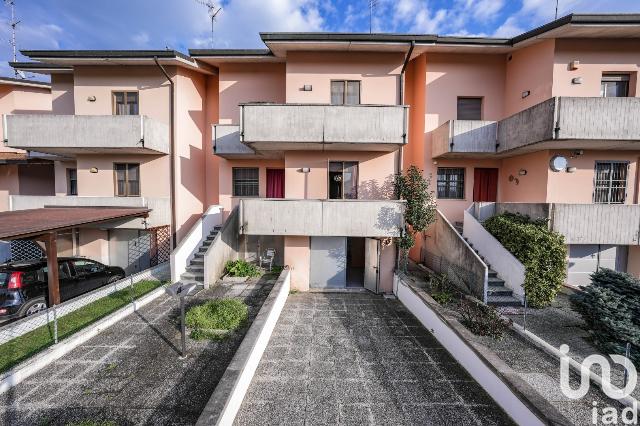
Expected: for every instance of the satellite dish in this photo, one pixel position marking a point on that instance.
(558, 163)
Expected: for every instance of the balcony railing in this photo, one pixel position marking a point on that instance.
(339, 218)
(557, 123)
(465, 136)
(86, 134)
(277, 127)
(616, 224)
(159, 215)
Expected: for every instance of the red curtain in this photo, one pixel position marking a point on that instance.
(275, 183)
(485, 185)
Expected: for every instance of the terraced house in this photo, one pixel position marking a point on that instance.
(298, 144)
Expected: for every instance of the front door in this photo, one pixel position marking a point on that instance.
(485, 184)
(371, 261)
(328, 262)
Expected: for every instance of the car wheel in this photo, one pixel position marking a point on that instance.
(34, 306)
(114, 279)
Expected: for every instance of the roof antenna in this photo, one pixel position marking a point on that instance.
(557, 8)
(13, 24)
(372, 6)
(213, 12)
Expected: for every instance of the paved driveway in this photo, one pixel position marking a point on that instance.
(132, 373)
(338, 358)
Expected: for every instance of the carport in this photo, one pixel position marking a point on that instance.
(43, 225)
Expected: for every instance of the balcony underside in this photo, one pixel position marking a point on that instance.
(269, 147)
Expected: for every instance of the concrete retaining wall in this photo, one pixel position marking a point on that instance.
(224, 248)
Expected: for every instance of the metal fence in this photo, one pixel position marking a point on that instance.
(55, 313)
(460, 277)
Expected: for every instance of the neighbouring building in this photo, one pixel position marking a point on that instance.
(301, 140)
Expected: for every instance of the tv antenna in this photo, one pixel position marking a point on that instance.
(372, 6)
(557, 1)
(13, 24)
(213, 10)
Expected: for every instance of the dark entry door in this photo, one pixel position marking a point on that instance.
(485, 185)
(275, 183)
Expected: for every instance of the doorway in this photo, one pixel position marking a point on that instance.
(355, 262)
(485, 184)
(343, 180)
(275, 183)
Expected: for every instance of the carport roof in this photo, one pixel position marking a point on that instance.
(29, 223)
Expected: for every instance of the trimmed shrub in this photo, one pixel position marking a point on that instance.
(241, 268)
(482, 319)
(611, 308)
(541, 251)
(216, 318)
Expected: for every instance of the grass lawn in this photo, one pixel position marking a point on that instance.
(213, 319)
(21, 348)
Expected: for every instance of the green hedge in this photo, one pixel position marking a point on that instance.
(611, 308)
(542, 252)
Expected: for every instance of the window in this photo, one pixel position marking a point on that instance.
(245, 182)
(343, 180)
(127, 179)
(84, 267)
(72, 181)
(125, 103)
(469, 108)
(451, 183)
(610, 183)
(614, 86)
(344, 92)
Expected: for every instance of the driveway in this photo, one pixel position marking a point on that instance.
(337, 358)
(132, 373)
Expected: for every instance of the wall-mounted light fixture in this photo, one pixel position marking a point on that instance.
(573, 65)
(91, 98)
(435, 161)
(305, 170)
(93, 170)
(526, 93)
(576, 80)
(522, 172)
(307, 88)
(571, 169)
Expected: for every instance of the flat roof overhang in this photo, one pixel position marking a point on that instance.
(30, 223)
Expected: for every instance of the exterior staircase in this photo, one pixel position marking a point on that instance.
(194, 273)
(498, 294)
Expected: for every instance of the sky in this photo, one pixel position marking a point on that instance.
(184, 24)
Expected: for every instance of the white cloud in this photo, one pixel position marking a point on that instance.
(141, 39)
(240, 21)
(487, 9)
(509, 28)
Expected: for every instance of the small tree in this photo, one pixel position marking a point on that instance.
(420, 211)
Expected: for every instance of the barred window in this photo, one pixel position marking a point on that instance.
(245, 182)
(610, 182)
(451, 183)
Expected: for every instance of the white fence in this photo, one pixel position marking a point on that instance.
(194, 239)
(510, 269)
(25, 325)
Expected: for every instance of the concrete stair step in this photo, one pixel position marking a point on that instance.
(195, 268)
(499, 291)
(496, 282)
(503, 301)
(192, 276)
(197, 261)
(493, 274)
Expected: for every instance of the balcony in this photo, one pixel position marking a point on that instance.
(282, 127)
(159, 215)
(86, 134)
(456, 138)
(616, 224)
(557, 123)
(339, 218)
(226, 144)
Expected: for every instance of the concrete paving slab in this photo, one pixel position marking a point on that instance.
(340, 358)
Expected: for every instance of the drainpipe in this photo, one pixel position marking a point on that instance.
(172, 171)
(401, 100)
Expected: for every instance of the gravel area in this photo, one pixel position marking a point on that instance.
(132, 373)
(337, 358)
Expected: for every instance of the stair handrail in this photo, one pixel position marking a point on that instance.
(190, 244)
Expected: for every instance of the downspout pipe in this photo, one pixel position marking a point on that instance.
(401, 100)
(172, 166)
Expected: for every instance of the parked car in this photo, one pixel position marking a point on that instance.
(23, 285)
